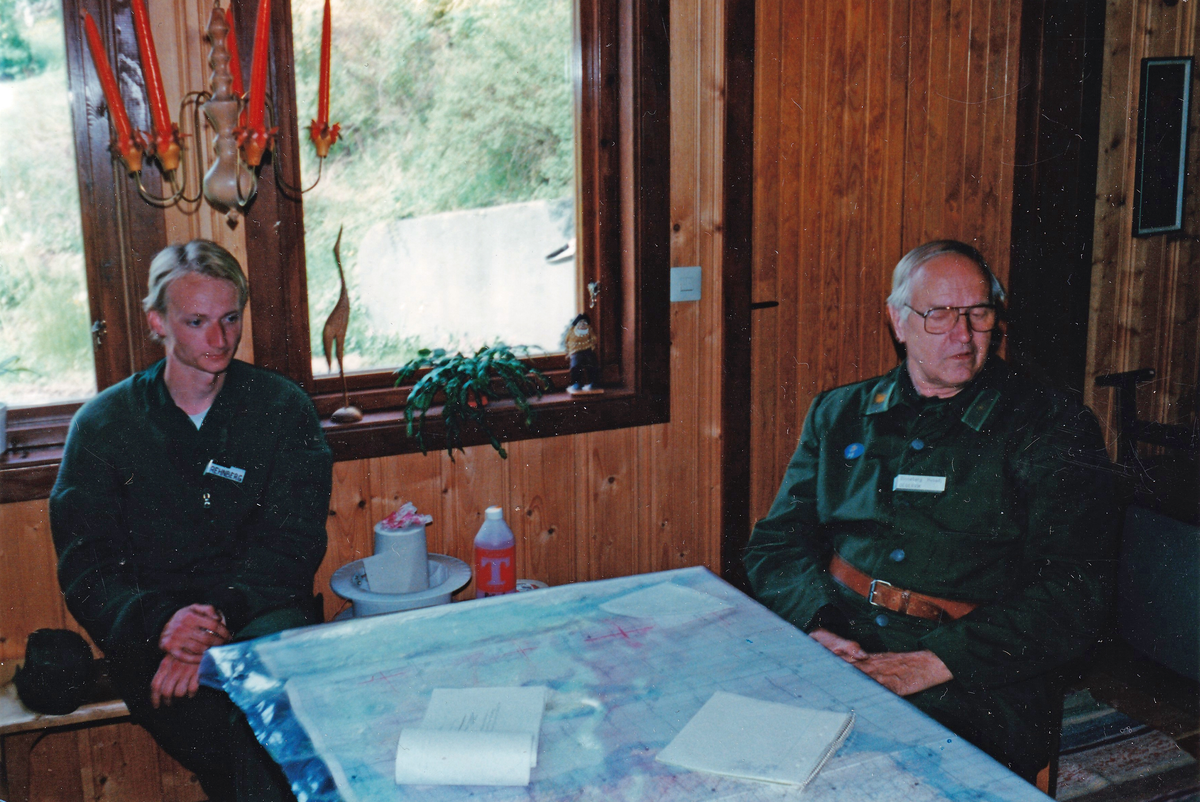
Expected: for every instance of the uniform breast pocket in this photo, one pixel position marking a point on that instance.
(975, 505)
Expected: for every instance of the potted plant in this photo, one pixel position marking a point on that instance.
(464, 385)
(7, 366)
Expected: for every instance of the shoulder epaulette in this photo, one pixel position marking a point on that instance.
(979, 409)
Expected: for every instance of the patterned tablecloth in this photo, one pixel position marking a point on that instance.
(628, 662)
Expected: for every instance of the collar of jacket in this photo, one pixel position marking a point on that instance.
(160, 403)
(980, 396)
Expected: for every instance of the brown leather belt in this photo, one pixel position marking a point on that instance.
(890, 597)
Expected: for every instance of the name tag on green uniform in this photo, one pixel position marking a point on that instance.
(232, 474)
(919, 484)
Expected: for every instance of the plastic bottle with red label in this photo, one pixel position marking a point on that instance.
(495, 556)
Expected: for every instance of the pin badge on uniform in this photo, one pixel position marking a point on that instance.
(854, 450)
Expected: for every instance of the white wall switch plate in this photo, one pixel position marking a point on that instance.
(685, 284)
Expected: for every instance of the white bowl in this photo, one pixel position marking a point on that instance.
(446, 575)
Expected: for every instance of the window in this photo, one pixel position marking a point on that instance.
(453, 182)
(622, 212)
(44, 339)
(622, 132)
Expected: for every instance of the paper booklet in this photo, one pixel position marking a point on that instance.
(473, 736)
(755, 740)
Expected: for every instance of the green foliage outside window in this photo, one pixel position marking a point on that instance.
(444, 105)
(17, 59)
(43, 292)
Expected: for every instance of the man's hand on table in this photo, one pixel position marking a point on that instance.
(191, 631)
(174, 679)
(902, 673)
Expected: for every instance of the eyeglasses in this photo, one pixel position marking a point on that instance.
(941, 319)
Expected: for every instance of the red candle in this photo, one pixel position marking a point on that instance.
(166, 136)
(125, 144)
(322, 134)
(235, 62)
(323, 88)
(256, 140)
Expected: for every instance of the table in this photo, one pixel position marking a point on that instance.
(329, 701)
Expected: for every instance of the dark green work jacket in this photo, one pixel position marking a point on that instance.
(144, 527)
(1024, 525)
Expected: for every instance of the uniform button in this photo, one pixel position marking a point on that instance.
(881, 620)
(917, 444)
(897, 556)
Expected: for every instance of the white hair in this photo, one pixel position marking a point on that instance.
(910, 264)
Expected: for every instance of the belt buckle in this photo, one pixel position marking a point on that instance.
(871, 591)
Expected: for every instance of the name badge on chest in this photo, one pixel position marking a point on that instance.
(232, 474)
(919, 484)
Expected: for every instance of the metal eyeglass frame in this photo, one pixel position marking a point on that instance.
(958, 313)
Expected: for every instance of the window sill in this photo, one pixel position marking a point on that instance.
(28, 473)
(28, 470)
(384, 433)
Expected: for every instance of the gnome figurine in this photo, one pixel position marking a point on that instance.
(580, 344)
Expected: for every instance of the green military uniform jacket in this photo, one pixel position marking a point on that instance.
(1024, 525)
(143, 526)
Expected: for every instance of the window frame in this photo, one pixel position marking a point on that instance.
(622, 158)
(623, 224)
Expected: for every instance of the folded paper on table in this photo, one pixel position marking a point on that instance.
(451, 757)
(474, 736)
(751, 739)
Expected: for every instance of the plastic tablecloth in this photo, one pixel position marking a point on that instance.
(627, 662)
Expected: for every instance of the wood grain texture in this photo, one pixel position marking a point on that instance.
(885, 123)
(1145, 300)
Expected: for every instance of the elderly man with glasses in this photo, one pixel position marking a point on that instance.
(947, 528)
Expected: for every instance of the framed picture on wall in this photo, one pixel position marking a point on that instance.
(1162, 145)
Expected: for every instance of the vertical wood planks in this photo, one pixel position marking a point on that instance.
(607, 504)
(1145, 302)
(29, 594)
(347, 521)
(542, 488)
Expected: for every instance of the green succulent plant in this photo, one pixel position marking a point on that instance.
(464, 385)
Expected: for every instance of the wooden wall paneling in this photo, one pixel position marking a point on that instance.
(957, 95)
(799, 215)
(828, 335)
(706, 533)
(608, 501)
(349, 527)
(542, 490)
(29, 594)
(876, 201)
(1144, 291)
(923, 130)
(123, 763)
(1002, 168)
(1165, 36)
(1000, 71)
(974, 109)
(1188, 258)
(408, 477)
(890, 93)
(769, 166)
(54, 768)
(475, 480)
(1108, 333)
(853, 316)
(664, 518)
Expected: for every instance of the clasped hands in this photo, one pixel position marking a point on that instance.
(902, 673)
(185, 638)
